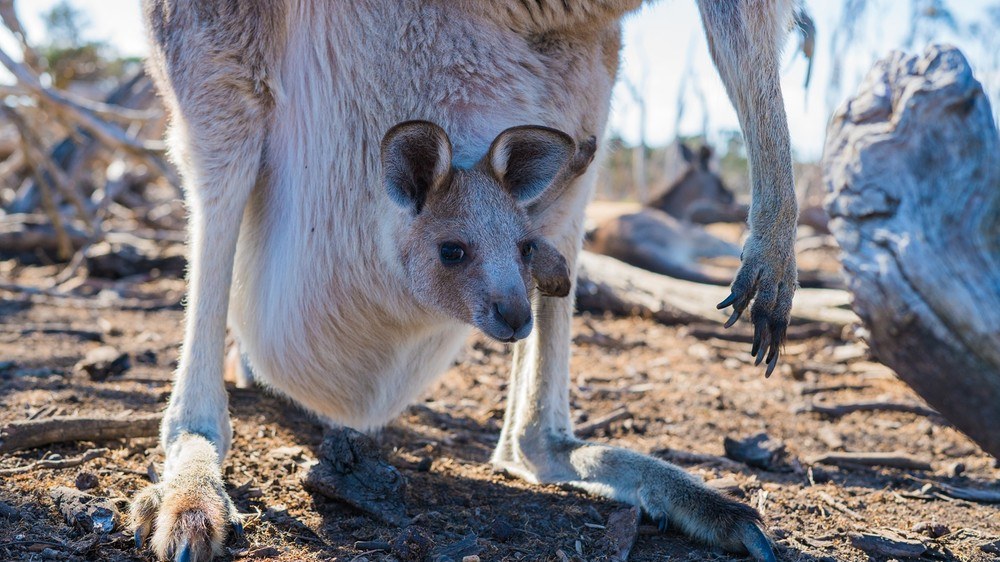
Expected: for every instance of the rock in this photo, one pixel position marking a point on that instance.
(86, 512)
(887, 543)
(86, 481)
(758, 451)
(412, 545)
(104, 362)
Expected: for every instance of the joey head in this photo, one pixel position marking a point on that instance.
(468, 247)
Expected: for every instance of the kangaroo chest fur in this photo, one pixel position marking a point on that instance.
(320, 304)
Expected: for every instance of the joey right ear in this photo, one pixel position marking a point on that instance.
(416, 159)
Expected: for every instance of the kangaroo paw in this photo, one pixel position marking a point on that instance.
(187, 516)
(770, 282)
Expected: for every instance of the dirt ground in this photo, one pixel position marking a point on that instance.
(683, 394)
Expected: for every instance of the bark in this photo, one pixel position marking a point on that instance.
(912, 164)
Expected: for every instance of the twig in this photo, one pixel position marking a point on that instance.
(590, 428)
(839, 506)
(35, 433)
(894, 460)
(831, 388)
(869, 406)
(89, 455)
(805, 332)
(963, 493)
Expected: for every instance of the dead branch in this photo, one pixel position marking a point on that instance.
(838, 410)
(919, 229)
(89, 455)
(590, 428)
(893, 460)
(36, 433)
(795, 333)
(608, 285)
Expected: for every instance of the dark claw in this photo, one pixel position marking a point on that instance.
(238, 528)
(770, 366)
(757, 544)
(729, 301)
(732, 319)
(185, 553)
(662, 524)
(138, 537)
(765, 341)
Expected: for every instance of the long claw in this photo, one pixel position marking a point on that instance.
(770, 366)
(662, 524)
(138, 537)
(185, 554)
(756, 342)
(238, 528)
(732, 319)
(729, 300)
(757, 544)
(764, 342)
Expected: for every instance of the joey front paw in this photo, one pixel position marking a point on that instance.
(768, 277)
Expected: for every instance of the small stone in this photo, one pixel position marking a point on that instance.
(86, 481)
(104, 362)
(425, 464)
(760, 451)
(264, 552)
(956, 469)
(472, 558)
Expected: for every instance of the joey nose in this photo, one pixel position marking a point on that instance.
(515, 314)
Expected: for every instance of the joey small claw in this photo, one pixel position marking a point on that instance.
(138, 538)
(662, 524)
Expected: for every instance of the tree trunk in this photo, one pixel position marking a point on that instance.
(912, 164)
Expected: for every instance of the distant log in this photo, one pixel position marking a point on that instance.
(607, 285)
(912, 164)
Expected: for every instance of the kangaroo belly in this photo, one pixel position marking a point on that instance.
(319, 302)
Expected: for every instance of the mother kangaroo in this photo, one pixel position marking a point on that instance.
(277, 110)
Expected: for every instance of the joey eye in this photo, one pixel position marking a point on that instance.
(527, 249)
(452, 253)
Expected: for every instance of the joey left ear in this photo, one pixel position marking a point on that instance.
(416, 160)
(527, 159)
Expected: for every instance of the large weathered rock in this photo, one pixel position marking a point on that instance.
(912, 164)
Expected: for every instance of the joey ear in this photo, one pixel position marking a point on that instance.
(686, 152)
(527, 159)
(705, 155)
(416, 159)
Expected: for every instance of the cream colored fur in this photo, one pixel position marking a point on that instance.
(277, 112)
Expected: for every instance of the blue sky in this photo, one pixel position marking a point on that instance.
(660, 41)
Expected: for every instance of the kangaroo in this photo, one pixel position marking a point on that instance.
(277, 108)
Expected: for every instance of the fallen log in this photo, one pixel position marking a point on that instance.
(912, 164)
(64, 429)
(607, 285)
